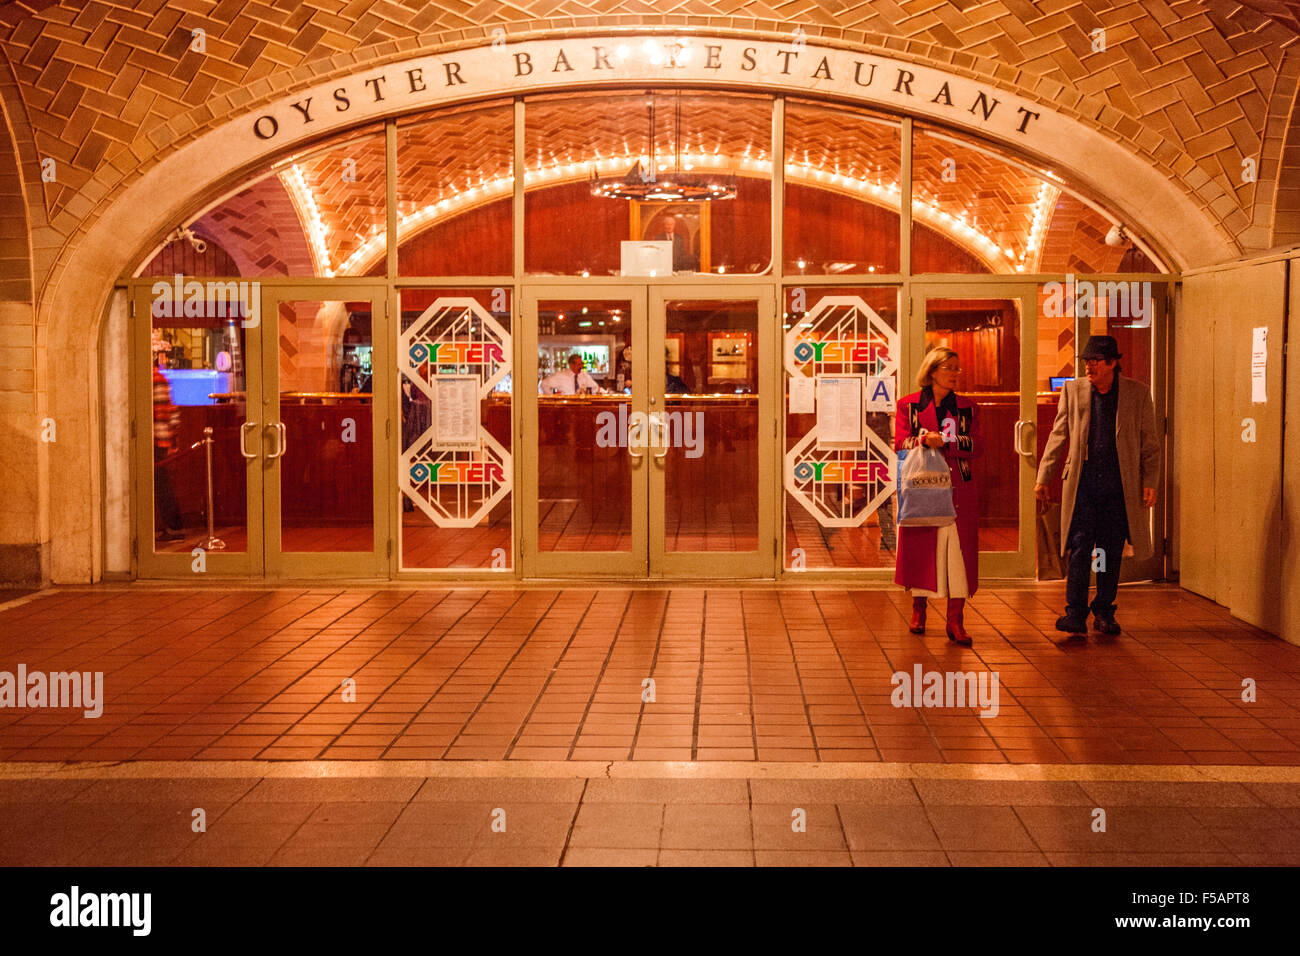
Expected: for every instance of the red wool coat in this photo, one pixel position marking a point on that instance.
(916, 546)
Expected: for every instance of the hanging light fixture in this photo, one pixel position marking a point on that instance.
(677, 187)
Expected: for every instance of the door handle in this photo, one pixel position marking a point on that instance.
(282, 441)
(1020, 445)
(243, 445)
(632, 444)
(657, 420)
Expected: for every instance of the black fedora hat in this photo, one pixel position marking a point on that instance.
(1101, 347)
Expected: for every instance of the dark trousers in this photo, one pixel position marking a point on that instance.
(169, 512)
(1099, 522)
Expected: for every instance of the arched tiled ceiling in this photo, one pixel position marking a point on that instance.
(1280, 11)
(1193, 86)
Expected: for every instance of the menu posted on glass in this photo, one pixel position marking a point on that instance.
(802, 395)
(455, 412)
(840, 410)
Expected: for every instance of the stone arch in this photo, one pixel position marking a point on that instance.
(93, 255)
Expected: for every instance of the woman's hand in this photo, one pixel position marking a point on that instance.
(933, 439)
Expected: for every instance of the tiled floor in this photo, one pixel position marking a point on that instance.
(247, 818)
(739, 674)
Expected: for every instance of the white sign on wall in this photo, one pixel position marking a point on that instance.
(1258, 365)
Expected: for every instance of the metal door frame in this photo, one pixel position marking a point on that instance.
(375, 563)
(1021, 563)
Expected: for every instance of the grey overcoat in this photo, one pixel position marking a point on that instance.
(1136, 442)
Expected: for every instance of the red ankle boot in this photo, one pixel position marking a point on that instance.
(956, 629)
(918, 616)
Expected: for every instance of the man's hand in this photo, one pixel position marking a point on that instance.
(1149, 497)
(1040, 492)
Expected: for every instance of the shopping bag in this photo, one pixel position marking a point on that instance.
(1051, 566)
(924, 489)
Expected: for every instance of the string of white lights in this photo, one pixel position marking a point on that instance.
(1047, 196)
(887, 194)
(309, 215)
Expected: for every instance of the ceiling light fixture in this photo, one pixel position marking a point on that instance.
(642, 181)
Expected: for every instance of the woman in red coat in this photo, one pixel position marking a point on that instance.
(942, 562)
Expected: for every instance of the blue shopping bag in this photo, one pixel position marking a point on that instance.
(924, 489)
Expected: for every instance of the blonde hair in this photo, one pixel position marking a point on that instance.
(933, 359)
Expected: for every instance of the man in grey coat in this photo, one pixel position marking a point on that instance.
(1107, 425)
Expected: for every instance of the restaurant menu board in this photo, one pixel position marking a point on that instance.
(455, 412)
(840, 402)
(802, 395)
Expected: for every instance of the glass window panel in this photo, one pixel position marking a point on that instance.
(1074, 241)
(841, 191)
(711, 425)
(1055, 366)
(972, 210)
(840, 511)
(326, 408)
(584, 397)
(199, 383)
(456, 501)
(1126, 309)
(645, 151)
(455, 192)
(985, 334)
(317, 213)
(976, 210)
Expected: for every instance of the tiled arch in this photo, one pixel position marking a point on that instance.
(105, 89)
(110, 88)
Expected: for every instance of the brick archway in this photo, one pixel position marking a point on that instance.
(80, 251)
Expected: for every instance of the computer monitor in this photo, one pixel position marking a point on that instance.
(1058, 381)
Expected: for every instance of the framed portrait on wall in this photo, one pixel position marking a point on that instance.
(686, 225)
(673, 352)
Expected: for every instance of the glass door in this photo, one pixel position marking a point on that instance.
(584, 395)
(324, 443)
(993, 330)
(711, 395)
(196, 346)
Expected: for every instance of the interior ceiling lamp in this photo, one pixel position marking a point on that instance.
(677, 186)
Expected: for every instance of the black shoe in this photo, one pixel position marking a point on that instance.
(1105, 623)
(170, 535)
(1072, 625)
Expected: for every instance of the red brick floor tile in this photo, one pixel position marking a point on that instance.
(670, 856)
(789, 675)
(899, 858)
(593, 856)
(769, 857)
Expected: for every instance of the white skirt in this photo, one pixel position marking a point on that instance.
(949, 568)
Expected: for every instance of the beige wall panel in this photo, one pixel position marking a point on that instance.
(1289, 565)
(1194, 384)
(1215, 412)
(1249, 509)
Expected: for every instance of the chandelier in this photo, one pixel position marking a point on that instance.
(676, 186)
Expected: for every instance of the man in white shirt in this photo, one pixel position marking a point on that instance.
(571, 382)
